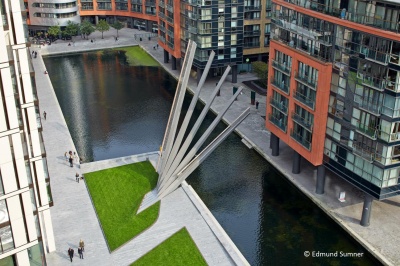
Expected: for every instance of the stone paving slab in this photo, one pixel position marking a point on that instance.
(73, 214)
(380, 238)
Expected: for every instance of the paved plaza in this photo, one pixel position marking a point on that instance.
(380, 238)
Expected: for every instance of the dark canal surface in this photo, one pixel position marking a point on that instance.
(113, 110)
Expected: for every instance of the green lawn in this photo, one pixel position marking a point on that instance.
(138, 57)
(179, 249)
(117, 194)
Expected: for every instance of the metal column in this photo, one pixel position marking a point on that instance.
(296, 162)
(274, 145)
(367, 208)
(320, 179)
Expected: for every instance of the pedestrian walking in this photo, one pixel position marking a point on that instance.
(77, 177)
(157, 45)
(70, 253)
(71, 161)
(44, 115)
(257, 103)
(80, 252)
(35, 54)
(82, 245)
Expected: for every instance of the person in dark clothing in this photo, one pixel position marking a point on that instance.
(257, 103)
(35, 54)
(71, 161)
(71, 253)
(80, 253)
(44, 115)
(77, 177)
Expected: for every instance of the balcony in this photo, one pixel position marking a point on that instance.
(170, 33)
(302, 121)
(372, 82)
(252, 8)
(280, 85)
(161, 15)
(369, 131)
(282, 67)
(306, 80)
(170, 20)
(363, 152)
(170, 8)
(189, 14)
(279, 122)
(251, 33)
(278, 105)
(369, 19)
(375, 56)
(192, 30)
(310, 102)
(251, 45)
(368, 104)
(150, 3)
(301, 140)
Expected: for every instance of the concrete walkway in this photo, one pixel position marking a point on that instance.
(73, 214)
(380, 238)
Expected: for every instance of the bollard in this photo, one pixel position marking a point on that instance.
(253, 97)
(234, 91)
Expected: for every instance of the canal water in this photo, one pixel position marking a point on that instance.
(113, 110)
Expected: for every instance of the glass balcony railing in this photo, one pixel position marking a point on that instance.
(307, 124)
(251, 33)
(368, 18)
(282, 66)
(251, 44)
(368, 104)
(307, 80)
(310, 102)
(366, 130)
(281, 85)
(363, 152)
(301, 139)
(252, 7)
(279, 122)
(278, 105)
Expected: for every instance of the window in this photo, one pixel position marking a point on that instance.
(234, 12)
(205, 14)
(233, 52)
(221, 40)
(233, 25)
(205, 42)
(233, 39)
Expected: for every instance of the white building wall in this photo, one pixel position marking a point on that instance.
(22, 172)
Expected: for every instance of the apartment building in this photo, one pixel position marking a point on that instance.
(333, 93)
(256, 31)
(42, 14)
(26, 232)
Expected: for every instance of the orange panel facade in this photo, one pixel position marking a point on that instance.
(320, 111)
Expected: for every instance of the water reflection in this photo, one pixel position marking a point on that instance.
(108, 114)
(123, 110)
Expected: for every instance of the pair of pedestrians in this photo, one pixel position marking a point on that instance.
(81, 249)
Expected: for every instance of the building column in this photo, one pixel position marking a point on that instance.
(173, 59)
(367, 208)
(96, 19)
(296, 162)
(165, 56)
(22, 257)
(199, 73)
(48, 229)
(320, 179)
(234, 74)
(274, 145)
